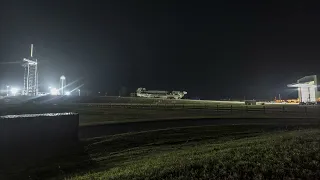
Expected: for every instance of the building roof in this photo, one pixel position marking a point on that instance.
(301, 85)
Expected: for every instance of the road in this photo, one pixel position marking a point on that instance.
(111, 129)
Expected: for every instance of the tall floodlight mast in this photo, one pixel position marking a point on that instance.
(62, 84)
(30, 80)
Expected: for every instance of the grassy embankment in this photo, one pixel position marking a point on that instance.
(211, 152)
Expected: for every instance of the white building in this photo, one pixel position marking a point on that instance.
(307, 89)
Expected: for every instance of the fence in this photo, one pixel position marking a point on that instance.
(219, 108)
(100, 108)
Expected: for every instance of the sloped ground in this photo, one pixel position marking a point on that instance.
(283, 155)
(209, 152)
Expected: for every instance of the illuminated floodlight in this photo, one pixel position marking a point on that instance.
(14, 91)
(54, 91)
(62, 84)
(68, 93)
(8, 90)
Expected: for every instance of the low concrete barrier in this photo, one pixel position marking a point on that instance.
(29, 138)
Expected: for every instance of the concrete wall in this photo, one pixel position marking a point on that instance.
(31, 138)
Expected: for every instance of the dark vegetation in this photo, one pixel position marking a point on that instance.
(209, 152)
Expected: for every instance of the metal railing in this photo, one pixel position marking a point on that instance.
(227, 109)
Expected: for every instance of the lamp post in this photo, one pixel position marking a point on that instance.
(62, 85)
(79, 91)
(8, 90)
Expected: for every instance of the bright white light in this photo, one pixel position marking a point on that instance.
(68, 93)
(63, 77)
(14, 91)
(8, 90)
(54, 91)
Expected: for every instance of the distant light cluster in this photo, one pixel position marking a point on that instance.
(30, 82)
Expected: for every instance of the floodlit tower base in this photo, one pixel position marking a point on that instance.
(30, 80)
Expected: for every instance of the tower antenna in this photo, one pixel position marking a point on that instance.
(31, 50)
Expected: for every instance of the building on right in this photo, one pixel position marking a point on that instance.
(307, 89)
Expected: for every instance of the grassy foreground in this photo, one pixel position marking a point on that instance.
(294, 154)
(211, 152)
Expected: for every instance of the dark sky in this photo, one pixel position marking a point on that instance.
(229, 49)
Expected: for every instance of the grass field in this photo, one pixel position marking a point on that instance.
(106, 113)
(106, 99)
(90, 116)
(210, 152)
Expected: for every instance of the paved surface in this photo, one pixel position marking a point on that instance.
(110, 129)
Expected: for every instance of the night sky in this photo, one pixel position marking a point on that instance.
(229, 49)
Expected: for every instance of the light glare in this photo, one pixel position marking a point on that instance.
(54, 91)
(14, 91)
